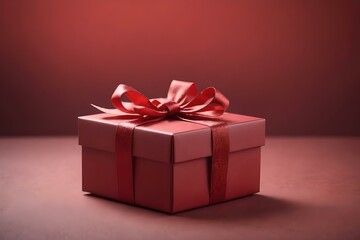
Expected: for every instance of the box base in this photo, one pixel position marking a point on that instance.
(170, 187)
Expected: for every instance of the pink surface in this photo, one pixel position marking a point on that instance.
(310, 189)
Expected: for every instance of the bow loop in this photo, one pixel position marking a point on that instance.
(181, 92)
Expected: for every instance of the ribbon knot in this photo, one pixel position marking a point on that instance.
(171, 107)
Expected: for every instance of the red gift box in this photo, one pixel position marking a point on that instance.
(171, 163)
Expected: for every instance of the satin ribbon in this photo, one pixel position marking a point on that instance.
(181, 103)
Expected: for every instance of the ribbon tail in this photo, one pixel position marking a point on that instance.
(113, 111)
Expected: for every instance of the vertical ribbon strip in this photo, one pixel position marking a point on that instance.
(124, 146)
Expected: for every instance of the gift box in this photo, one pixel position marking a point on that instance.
(171, 164)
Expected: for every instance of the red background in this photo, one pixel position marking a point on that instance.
(296, 63)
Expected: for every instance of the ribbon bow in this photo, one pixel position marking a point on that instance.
(182, 103)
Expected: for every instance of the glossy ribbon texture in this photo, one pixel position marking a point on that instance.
(182, 103)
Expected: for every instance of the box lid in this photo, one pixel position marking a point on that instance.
(171, 139)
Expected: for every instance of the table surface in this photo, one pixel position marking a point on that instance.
(310, 189)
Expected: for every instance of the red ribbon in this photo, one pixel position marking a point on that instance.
(181, 103)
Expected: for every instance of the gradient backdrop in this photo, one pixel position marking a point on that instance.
(296, 63)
